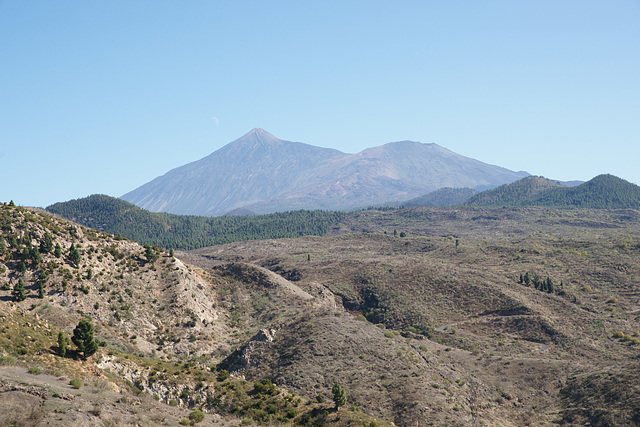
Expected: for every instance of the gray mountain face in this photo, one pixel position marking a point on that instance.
(264, 174)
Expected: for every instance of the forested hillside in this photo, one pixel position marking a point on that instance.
(513, 194)
(442, 197)
(601, 192)
(116, 216)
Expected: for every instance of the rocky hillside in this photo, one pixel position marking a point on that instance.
(263, 174)
(161, 327)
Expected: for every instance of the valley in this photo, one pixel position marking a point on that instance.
(421, 314)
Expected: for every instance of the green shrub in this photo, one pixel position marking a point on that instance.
(75, 383)
(196, 416)
(173, 402)
(7, 360)
(35, 370)
(223, 375)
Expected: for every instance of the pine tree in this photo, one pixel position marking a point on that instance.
(19, 292)
(62, 344)
(35, 256)
(74, 255)
(83, 338)
(58, 250)
(46, 245)
(339, 395)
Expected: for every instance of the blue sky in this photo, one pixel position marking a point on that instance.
(104, 96)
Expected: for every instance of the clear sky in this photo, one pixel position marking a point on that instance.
(104, 96)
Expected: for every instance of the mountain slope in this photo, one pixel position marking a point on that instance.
(264, 174)
(160, 325)
(443, 197)
(253, 168)
(116, 216)
(513, 194)
(601, 192)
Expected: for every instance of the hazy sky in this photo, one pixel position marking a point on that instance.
(104, 96)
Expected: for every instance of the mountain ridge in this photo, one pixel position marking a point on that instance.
(264, 174)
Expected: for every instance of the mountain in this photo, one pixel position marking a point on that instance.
(442, 197)
(253, 168)
(263, 174)
(602, 192)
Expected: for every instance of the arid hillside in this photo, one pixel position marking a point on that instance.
(436, 316)
(159, 327)
(461, 316)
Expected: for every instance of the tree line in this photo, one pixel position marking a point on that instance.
(165, 230)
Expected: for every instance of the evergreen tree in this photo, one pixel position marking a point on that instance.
(74, 255)
(527, 279)
(83, 338)
(62, 344)
(26, 239)
(3, 246)
(150, 253)
(58, 250)
(339, 395)
(19, 291)
(46, 246)
(40, 289)
(35, 256)
(550, 285)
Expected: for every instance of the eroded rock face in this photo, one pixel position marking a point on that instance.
(250, 354)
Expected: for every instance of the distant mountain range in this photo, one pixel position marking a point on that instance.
(261, 173)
